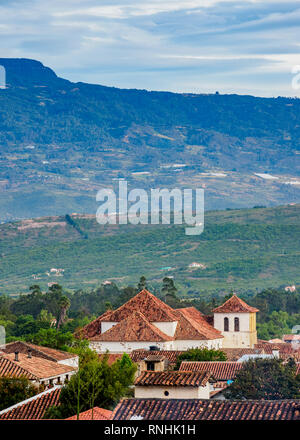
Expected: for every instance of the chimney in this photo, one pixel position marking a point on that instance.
(16, 356)
(275, 353)
(29, 354)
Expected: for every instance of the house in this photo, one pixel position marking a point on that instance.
(93, 414)
(51, 354)
(223, 372)
(237, 322)
(38, 370)
(173, 384)
(293, 340)
(145, 321)
(196, 409)
(33, 408)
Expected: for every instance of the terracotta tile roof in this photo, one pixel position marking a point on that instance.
(154, 358)
(170, 355)
(33, 408)
(133, 328)
(8, 368)
(97, 414)
(292, 337)
(149, 305)
(38, 351)
(194, 326)
(234, 354)
(220, 370)
(235, 305)
(268, 347)
(93, 328)
(39, 367)
(173, 378)
(195, 409)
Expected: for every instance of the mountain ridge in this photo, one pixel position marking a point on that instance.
(61, 140)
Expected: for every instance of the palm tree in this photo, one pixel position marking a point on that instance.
(64, 305)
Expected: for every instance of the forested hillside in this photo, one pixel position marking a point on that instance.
(239, 249)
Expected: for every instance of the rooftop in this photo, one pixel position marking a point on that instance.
(38, 351)
(8, 368)
(149, 305)
(195, 409)
(133, 328)
(235, 305)
(192, 325)
(220, 370)
(173, 378)
(95, 414)
(33, 408)
(39, 367)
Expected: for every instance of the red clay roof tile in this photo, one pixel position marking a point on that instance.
(96, 414)
(195, 409)
(220, 370)
(173, 378)
(235, 305)
(133, 328)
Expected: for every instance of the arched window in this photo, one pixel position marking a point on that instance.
(226, 325)
(236, 324)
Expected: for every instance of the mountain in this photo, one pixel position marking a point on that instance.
(60, 141)
(244, 250)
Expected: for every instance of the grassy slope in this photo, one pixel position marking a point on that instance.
(242, 249)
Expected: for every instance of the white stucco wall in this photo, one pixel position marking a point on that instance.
(244, 338)
(168, 328)
(177, 392)
(107, 325)
(72, 362)
(187, 344)
(128, 347)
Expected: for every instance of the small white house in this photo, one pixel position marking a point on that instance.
(173, 385)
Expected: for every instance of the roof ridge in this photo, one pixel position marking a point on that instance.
(36, 396)
(235, 300)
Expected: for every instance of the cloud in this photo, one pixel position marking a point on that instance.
(180, 45)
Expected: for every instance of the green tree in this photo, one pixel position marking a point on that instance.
(142, 284)
(14, 390)
(64, 304)
(95, 384)
(265, 379)
(201, 354)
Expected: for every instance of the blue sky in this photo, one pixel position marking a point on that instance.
(246, 47)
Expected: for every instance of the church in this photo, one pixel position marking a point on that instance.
(146, 322)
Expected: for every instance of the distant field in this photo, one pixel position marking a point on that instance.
(243, 250)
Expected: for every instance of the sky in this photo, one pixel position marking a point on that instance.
(200, 46)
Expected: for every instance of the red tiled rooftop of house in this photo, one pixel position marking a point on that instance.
(39, 367)
(133, 328)
(149, 305)
(33, 408)
(93, 328)
(219, 370)
(37, 351)
(235, 305)
(173, 378)
(195, 409)
(170, 355)
(95, 414)
(234, 354)
(8, 368)
(192, 325)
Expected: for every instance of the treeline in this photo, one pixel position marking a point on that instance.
(52, 317)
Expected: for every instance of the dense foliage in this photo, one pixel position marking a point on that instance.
(15, 390)
(95, 384)
(267, 379)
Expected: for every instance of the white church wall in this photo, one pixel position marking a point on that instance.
(168, 328)
(128, 347)
(207, 343)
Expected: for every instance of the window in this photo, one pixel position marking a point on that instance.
(236, 324)
(150, 366)
(166, 393)
(226, 325)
